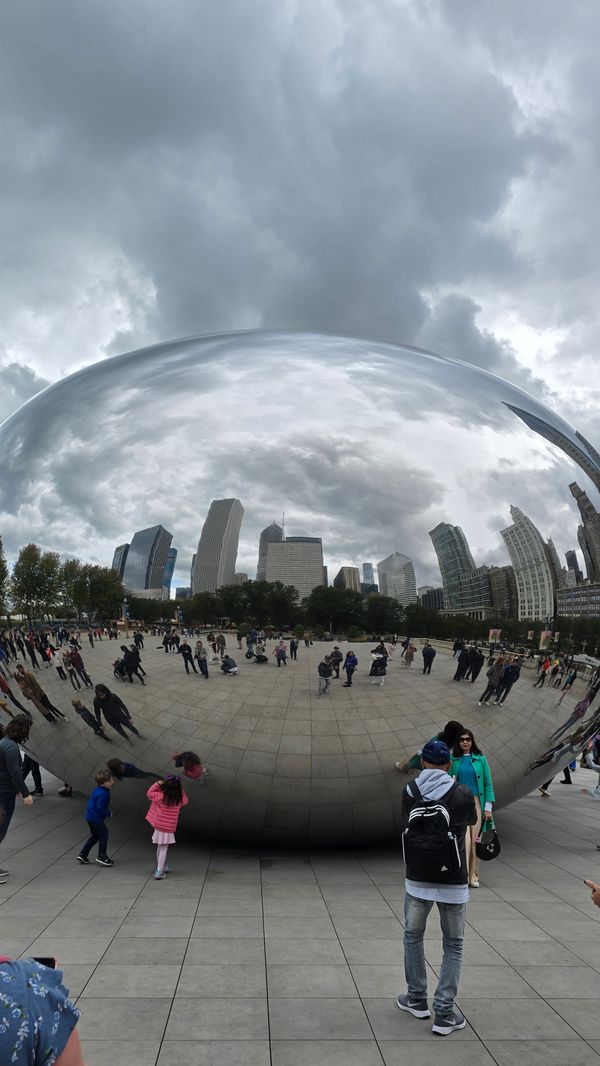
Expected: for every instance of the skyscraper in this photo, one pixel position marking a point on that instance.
(217, 547)
(503, 587)
(573, 566)
(533, 573)
(168, 572)
(588, 533)
(455, 562)
(397, 578)
(347, 577)
(120, 558)
(146, 560)
(368, 573)
(296, 561)
(273, 534)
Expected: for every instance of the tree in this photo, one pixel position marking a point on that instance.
(383, 614)
(26, 580)
(49, 591)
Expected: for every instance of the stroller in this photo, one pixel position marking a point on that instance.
(119, 670)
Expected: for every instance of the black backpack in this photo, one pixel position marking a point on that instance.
(429, 846)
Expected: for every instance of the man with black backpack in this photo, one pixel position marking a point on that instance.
(438, 810)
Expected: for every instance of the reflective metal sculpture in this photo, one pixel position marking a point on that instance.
(369, 446)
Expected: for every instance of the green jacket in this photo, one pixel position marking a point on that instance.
(483, 775)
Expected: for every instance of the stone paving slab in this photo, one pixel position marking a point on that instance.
(284, 958)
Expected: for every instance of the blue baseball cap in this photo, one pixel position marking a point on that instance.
(436, 752)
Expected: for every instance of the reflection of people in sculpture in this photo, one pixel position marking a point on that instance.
(591, 760)
(6, 690)
(114, 711)
(121, 770)
(33, 691)
(579, 711)
(87, 717)
(77, 662)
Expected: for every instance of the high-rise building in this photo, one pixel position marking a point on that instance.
(368, 573)
(146, 560)
(588, 533)
(466, 586)
(533, 573)
(217, 548)
(192, 569)
(183, 593)
(273, 534)
(347, 577)
(240, 579)
(558, 573)
(296, 561)
(168, 572)
(581, 601)
(432, 599)
(573, 567)
(503, 587)
(397, 578)
(120, 558)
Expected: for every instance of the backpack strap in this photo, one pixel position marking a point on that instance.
(414, 791)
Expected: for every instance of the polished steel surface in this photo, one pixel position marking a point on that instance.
(367, 445)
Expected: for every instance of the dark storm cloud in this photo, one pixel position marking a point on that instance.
(409, 172)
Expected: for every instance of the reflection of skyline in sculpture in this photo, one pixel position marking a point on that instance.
(528, 555)
(120, 558)
(146, 560)
(588, 533)
(218, 546)
(576, 447)
(334, 460)
(168, 572)
(397, 578)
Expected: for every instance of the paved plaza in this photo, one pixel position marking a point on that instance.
(249, 958)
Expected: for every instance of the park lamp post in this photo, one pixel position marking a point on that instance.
(125, 610)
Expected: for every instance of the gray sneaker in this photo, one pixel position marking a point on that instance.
(418, 1008)
(4, 873)
(444, 1024)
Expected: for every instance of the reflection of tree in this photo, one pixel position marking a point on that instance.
(571, 745)
(42, 584)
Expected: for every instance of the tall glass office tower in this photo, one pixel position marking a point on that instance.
(214, 565)
(397, 578)
(147, 558)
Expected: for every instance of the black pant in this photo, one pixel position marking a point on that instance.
(188, 661)
(336, 667)
(85, 677)
(540, 680)
(503, 691)
(99, 835)
(349, 671)
(489, 691)
(14, 700)
(133, 671)
(118, 723)
(203, 664)
(427, 666)
(7, 809)
(74, 679)
(294, 654)
(30, 766)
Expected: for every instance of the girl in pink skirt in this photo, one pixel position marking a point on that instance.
(166, 800)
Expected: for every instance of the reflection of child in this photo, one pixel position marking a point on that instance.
(89, 719)
(120, 769)
(191, 765)
(166, 800)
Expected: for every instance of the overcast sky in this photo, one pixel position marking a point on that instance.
(416, 172)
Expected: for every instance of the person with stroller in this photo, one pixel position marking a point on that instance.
(131, 662)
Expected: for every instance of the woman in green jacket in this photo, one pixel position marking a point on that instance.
(470, 768)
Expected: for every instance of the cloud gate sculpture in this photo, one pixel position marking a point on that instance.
(372, 448)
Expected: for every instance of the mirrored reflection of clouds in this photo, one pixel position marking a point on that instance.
(365, 444)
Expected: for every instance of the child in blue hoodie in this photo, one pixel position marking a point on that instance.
(96, 813)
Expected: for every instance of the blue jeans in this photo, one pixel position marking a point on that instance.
(452, 921)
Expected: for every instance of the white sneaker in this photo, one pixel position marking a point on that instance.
(473, 884)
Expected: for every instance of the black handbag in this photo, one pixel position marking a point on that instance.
(488, 845)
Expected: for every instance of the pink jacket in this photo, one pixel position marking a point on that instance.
(160, 815)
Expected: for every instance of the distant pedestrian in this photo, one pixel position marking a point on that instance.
(185, 651)
(429, 654)
(11, 774)
(336, 659)
(191, 764)
(229, 665)
(350, 664)
(294, 644)
(131, 662)
(201, 657)
(166, 800)
(325, 672)
(280, 654)
(378, 669)
(494, 673)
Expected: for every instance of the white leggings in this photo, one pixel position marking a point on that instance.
(161, 856)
